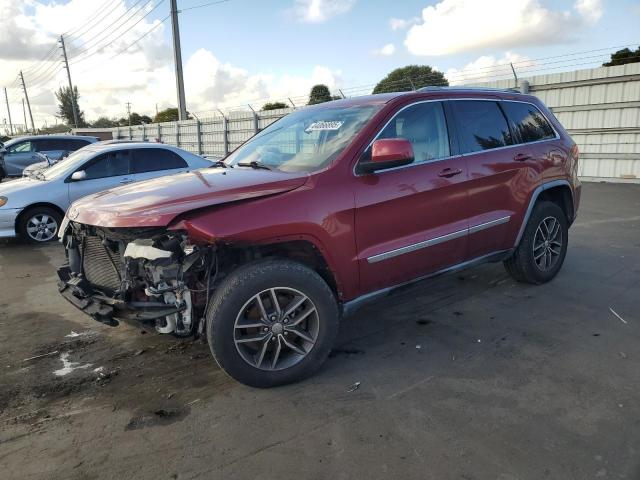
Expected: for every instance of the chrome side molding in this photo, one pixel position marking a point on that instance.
(436, 240)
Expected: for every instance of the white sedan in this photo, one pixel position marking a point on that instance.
(34, 207)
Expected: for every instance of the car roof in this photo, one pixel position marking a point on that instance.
(383, 98)
(55, 137)
(128, 145)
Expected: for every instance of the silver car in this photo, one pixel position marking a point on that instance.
(48, 161)
(33, 207)
(19, 153)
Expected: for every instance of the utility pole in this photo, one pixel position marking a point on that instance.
(24, 112)
(8, 110)
(26, 97)
(74, 107)
(177, 59)
(515, 76)
(129, 112)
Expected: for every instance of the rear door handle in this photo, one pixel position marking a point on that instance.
(449, 172)
(521, 157)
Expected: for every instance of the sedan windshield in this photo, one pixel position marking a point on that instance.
(304, 141)
(60, 168)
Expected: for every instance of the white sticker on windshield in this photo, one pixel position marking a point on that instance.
(324, 126)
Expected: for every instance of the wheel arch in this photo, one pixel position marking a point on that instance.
(301, 250)
(28, 208)
(557, 191)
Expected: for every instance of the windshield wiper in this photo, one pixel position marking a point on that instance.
(220, 164)
(254, 164)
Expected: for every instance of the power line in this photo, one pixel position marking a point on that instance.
(87, 23)
(203, 5)
(87, 42)
(89, 55)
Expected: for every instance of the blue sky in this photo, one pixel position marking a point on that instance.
(261, 37)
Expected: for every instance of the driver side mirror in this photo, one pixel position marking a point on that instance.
(388, 153)
(79, 175)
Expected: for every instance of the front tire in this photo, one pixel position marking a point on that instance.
(543, 247)
(39, 225)
(272, 322)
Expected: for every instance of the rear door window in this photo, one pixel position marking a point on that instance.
(424, 125)
(528, 124)
(111, 164)
(21, 147)
(481, 124)
(154, 159)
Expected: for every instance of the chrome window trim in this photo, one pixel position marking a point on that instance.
(413, 164)
(557, 135)
(437, 240)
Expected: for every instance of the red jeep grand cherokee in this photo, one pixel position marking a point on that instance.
(328, 207)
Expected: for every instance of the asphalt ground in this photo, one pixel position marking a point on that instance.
(468, 376)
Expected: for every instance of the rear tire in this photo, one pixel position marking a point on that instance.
(39, 225)
(543, 247)
(293, 336)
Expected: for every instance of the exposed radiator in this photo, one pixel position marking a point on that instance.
(98, 264)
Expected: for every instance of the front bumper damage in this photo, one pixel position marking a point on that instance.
(146, 275)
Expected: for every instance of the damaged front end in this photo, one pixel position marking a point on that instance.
(143, 274)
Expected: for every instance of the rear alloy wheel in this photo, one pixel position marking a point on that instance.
(39, 225)
(540, 254)
(271, 322)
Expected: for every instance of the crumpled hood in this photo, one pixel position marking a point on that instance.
(155, 203)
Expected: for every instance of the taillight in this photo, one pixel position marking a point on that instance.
(575, 153)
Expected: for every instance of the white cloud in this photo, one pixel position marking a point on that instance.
(142, 75)
(318, 11)
(386, 51)
(591, 10)
(488, 68)
(402, 23)
(453, 26)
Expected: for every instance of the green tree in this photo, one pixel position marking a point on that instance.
(65, 106)
(104, 122)
(168, 115)
(622, 57)
(409, 78)
(273, 106)
(59, 128)
(319, 94)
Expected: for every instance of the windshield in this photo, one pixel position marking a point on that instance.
(304, 141)
(60, 168)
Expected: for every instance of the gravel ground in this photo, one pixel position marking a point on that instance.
(469, 376)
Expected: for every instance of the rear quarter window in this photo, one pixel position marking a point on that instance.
(527, 122)
(481, 124)
(154, 159)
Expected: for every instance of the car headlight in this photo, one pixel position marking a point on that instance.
(3, 201)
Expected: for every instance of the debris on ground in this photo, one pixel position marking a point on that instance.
(418, 347)
(354, 387)
(345, 351)
(40, 356)
(423, 321)
(622, 354)
(619, 317)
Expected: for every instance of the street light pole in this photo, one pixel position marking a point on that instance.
(177, 58)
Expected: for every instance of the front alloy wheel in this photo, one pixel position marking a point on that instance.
(271, 322)
(39, 225)
(276, 328)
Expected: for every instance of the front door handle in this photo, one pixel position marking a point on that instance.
(450, 172)
(521, 157)
(124, 181)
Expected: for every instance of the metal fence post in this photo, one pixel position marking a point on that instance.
(130, 133)
(117, 133)
(159, 139)
(225, 137)
(177, 133)
(199, 137)
(256, 127)
(144, 132)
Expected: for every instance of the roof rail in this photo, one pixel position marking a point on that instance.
(481, 89)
